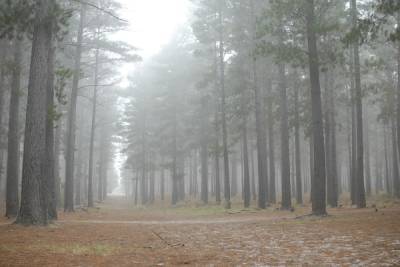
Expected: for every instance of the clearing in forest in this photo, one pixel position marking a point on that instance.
(115, 234)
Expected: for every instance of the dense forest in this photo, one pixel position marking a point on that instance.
(274, 105)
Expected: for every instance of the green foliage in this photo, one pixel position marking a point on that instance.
(382, 20)
(62, 76)
(17, 18)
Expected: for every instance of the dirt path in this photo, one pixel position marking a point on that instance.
(177, 222)
(118, 235)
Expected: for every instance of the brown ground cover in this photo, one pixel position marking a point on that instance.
(115, 234)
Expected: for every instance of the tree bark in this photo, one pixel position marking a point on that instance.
(204, 152)
(51, 182)
(143, 189)
(3, 51)
(395, 164)
(367, 161)
(299, 187)
(227, 192)
(234, 173)
(174, 164)
(34, 194)
(271, 145)
(319, 175)
(12, 198)
(260, 122)
(216, 161)
(246, 172)
(93, 130)
(335, 183)
(398, 89)
(385, 141)
(285, 159)
(57, 144)
(70, 143)
(152, 185)
(360, 189)
(162, 186)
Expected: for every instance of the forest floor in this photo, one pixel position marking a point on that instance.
(116, 234)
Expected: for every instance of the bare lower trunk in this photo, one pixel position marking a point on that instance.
(360, 189)
(2, 111)
(70, 142)
(162, 182)
(174, 176)
(51, 183)
(57, 144)
(12, 199)
(92, 132)
(385, 141)
(299, 187)
(34, 194)
(398, 95)
(271, 146)
(395, 164)
(246, 174)
(227, 192)
(319, 175)
(260, 123)
(204, 153)
(285, 159)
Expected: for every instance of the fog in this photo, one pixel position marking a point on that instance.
(239, 117)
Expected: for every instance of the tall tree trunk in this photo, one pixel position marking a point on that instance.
(92, 130)
(385, 141)
(49, 165)
(34, 194)
(367, 161)
(271, 145)
(335, 183)
(227, 192)
(234, 172)
(204, 153)
(181, 177)
(136, 186)
(285, 159)
(360, 190)
(330, 143)
(57, 148)
(103, 165)
(217, 128)
(195, 167)
(143, 189)
(398, 88)
(216, 162)
(260, 122)
(3, 47)
(246, 174)
(253, 176)
(311, 164)
(349, 148)
(79, 178)
(12, 198)
(174, 164)
(319, 175)
(162, 186)
(395, 163)
(70, 143)
(299, 187)
(353, 150)
(152, 185)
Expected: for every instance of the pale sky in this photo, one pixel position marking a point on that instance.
(152, 24)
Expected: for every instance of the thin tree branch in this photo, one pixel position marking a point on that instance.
(101, 9)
